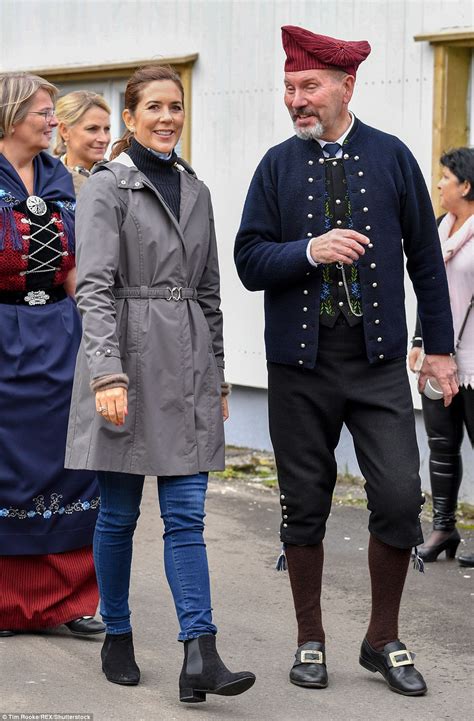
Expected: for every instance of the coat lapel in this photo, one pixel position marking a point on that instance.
(190, 188)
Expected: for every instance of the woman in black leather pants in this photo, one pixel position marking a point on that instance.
(445, 426)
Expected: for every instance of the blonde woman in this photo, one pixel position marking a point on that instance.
(83, 133)
(47, 513)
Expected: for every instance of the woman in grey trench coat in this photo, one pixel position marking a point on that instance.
(149, 392)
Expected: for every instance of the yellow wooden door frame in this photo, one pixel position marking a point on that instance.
(452, 68)
(116, 71)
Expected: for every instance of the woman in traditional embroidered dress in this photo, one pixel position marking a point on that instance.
(47, 513)
(445, 426)
(83, 133)
(148, 291)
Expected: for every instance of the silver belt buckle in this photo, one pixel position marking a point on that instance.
(36, 297)
(175, 294)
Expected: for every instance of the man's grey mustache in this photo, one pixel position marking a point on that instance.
(302, 114)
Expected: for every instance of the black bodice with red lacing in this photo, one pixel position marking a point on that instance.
(44, 259)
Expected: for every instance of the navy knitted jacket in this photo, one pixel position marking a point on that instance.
(389, 203)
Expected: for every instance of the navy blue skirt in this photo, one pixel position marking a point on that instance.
(43, 507)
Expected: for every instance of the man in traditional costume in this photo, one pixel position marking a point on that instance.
(328, 217)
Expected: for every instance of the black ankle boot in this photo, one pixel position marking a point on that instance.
(118, 659)
(450, 545)
(204, 672)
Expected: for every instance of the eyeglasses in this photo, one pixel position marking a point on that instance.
(47, 114)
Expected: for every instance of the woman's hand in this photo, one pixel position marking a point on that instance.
(413, 358)
(225, 407)
(112, 404)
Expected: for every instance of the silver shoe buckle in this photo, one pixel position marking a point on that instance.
(175, 294)
(311, 656)
(406, 659)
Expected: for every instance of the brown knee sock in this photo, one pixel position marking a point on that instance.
(388, 569)
(305, 568)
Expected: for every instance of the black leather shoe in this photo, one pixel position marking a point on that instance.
(85, 626)
(466, 560)
(118, 659)
(309, 668)
(5, 632)
(204, 672)
(396, 665)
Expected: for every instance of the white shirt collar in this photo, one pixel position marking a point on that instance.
(343, 136)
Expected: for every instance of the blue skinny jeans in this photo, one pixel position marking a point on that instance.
(182, 501)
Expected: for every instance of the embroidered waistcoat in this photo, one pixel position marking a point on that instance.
(337, 214)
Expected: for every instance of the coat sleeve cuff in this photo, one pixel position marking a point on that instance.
(312, 262)
(113, 380)
(226, 389)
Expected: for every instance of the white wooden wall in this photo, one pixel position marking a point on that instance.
(238, 109)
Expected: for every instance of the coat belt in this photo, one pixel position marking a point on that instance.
(176, 293)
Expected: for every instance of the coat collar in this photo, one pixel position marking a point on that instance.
(129, 177)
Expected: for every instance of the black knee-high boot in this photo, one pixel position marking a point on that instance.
(445, 476)
(204, 672)
(444, 427)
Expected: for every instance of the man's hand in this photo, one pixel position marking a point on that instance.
(443, 369)
(338, 246)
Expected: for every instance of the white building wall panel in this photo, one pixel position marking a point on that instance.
(237, 110)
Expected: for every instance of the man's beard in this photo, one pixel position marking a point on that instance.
(312, 132)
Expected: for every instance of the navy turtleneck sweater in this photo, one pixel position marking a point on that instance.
(162, 173)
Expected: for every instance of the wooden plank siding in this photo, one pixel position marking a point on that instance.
(232, 61)
(452, 84)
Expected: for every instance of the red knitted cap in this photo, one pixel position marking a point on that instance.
(307, 51)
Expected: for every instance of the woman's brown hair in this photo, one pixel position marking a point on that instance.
(135, 85)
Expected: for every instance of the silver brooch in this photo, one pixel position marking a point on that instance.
(36, 297)
(36, 205)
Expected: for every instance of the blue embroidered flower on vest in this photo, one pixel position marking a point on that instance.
(47, 512)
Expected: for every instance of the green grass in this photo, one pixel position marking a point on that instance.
(261, 469)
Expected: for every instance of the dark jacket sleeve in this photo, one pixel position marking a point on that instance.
(425, 263)
(263, 261)
(417, 340)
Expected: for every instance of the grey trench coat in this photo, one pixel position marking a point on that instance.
(130, 244)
